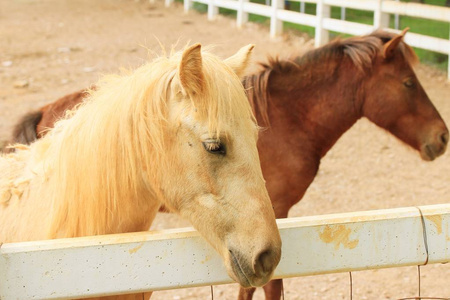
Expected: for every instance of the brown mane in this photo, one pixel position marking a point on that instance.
(361, 51)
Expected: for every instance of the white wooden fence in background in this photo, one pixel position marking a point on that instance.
(323, 23)
(135, 262)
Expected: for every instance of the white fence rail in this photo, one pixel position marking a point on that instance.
(125, 263)
(323, 23)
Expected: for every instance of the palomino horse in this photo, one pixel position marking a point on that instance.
(177, 132)
(308, 103)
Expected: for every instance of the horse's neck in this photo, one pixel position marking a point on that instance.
(95, 185)
(321, 105)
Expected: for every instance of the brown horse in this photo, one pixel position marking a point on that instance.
(35, 124)
(307, 103)
(310, 102)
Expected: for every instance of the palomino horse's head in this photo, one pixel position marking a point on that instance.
(211, 173)
(396, 101)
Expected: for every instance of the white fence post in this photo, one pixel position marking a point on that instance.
(343, 13)
(213, 10)
(276, 26)
(187, 5)
(322, 36)
(242, 16)
(397, 19)
(381, 20)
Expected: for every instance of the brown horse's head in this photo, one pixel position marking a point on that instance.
(396, 101)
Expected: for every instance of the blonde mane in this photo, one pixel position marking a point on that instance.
(92, 162)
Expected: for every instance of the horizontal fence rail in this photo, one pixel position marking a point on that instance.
(323, 23)
(170, 259)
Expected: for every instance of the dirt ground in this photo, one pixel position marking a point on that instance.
(49, 48)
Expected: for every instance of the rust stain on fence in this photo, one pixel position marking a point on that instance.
(207, 258)
(437, 220)
(338, 235)
(135, 249)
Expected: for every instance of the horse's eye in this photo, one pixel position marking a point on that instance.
(214, 147)
(409, 83)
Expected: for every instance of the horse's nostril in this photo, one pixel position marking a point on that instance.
(444, 138)
(264, 263)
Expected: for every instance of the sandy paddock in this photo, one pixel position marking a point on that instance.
(49, 48)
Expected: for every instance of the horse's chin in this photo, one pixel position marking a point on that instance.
(238, 275)
(430, 152)
(243, 274)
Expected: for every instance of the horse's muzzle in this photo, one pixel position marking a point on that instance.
(436, 147)
(256, 271)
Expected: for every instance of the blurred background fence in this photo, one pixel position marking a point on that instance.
(429, 20)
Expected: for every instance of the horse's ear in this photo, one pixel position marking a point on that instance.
(404, 31)
(190, 71)
(390, 46)
(240, 60)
